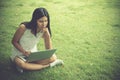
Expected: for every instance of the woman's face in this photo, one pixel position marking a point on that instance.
(42, 22)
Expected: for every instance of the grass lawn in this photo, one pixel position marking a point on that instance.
(85, 32)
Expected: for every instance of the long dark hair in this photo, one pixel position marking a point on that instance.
(37, 14)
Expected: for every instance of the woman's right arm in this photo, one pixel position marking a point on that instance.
(16, 38)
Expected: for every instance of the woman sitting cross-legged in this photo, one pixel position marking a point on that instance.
(26, 38)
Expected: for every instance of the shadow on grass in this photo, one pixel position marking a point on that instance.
(8, 72)
(116, 49)
(114, 4)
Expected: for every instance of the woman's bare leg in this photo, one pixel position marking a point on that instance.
(29, 66)
(53, 61)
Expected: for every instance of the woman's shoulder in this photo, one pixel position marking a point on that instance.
(22, 27)
(26, 24)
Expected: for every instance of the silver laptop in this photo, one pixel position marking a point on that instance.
(40, 55)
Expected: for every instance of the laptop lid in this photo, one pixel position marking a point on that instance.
(39, 55)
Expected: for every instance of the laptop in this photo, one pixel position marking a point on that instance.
(40, 55)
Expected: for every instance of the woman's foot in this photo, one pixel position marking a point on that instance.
(20, 70)
(56, 62)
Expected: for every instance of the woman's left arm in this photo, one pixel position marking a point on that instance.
(47, 39)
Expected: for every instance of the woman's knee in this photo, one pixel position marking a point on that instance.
(19, 62)
(53, 58)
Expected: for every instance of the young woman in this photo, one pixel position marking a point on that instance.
(26, 38)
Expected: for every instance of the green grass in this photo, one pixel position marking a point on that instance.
(85, 32)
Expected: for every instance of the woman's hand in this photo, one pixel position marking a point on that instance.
(27, 53)
(47, 39)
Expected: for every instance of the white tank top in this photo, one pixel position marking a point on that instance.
(28, 41)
